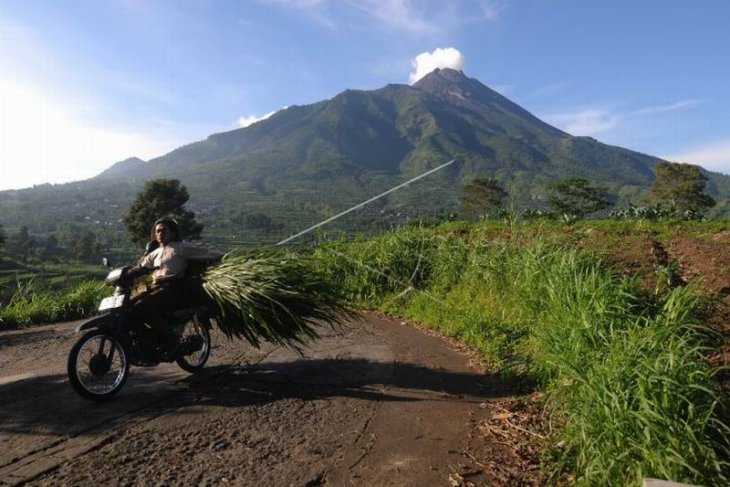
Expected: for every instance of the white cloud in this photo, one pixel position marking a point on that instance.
(252, 119)
(420, 17)
(672, 107)
(303, 4)
(593, 120)
(492, 9)
(590, 121)
(315, 9)
(397, 14)
(714, 156)
(426, 62)
(423, 17)
(41, 140)
(56, 127)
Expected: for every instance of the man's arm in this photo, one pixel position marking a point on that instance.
(147, 261)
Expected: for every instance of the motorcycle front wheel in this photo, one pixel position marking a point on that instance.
(97, 366)
(194, 345)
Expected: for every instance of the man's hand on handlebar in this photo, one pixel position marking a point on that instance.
(139, 271)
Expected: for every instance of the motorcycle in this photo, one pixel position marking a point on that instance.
(98, 364)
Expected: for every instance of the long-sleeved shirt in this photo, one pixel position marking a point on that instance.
(171, 260)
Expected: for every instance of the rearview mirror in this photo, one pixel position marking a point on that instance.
(106, 262)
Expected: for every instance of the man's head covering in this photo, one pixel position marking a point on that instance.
(172, 226)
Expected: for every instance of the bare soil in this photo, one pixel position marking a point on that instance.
(702, 261)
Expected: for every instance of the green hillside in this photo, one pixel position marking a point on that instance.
(308, 162)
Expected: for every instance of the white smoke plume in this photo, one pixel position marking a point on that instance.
(426, 62)
(252, 119)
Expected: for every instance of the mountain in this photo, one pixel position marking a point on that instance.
(123, 169)
(307, 162)
(400, 130)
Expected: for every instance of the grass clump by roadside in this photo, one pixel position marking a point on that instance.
(624, 368)
(29, 305)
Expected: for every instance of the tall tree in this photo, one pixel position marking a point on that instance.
(48, 248)
(158, 198)
(577, 197)
(80, 241)
(481, 197)
(22, 244)
(680, 187)
(2, 236)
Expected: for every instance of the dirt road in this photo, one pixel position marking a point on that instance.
(376, 403)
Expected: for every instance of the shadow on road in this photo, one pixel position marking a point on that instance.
(47, 403)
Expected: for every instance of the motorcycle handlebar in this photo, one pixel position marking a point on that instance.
(137, 271)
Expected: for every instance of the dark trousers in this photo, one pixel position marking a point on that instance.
(149, 306)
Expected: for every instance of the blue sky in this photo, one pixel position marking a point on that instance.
(84, 84)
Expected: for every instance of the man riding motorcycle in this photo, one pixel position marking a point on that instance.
(169, 257)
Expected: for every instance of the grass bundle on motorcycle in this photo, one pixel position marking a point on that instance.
(271, 296)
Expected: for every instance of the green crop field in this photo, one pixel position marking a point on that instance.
(46, 293)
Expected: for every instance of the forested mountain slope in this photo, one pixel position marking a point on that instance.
(306, 162)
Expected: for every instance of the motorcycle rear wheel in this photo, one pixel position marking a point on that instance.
(97, 366)
(194, 361)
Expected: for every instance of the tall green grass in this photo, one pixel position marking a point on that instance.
(272, 296)
(29, 305)
(624, 369)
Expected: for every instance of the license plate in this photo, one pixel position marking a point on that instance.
(111, 302)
